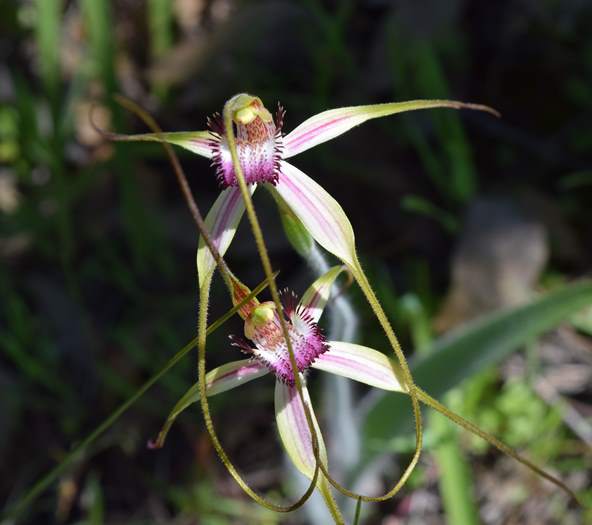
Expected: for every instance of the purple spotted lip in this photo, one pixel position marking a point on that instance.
(268, 346)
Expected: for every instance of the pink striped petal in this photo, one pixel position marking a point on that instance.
(221, 221)
(330, 124)
(233, 374)
(315, 298)
(320, 213)
(199, 142)
(294, 431)
(219, 380)
(360, 364)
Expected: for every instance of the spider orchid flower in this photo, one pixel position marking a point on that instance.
(264, 344)
(263, 151)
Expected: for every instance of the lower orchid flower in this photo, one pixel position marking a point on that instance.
(264, 344)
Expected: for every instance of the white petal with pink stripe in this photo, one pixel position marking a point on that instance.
(294, 431)
(316, 296)
(320, 213)
(360, 363)
(222, 221)
(233, 374)
(198, 142)
(334, 122)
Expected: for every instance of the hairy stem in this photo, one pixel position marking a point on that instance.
(266, 263)
(364, 284)
(183, 184)
(76, 453)
(201, 370)
(492, 440)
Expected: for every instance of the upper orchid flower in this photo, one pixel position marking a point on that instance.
(263, 149)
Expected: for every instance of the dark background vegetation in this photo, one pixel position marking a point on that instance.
(97, 250)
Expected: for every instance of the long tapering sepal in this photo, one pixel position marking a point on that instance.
(221, 379)
(316, 296)
(362, 364)
(231, 375)
(222, 221)
(334, 122)
(297, 440)
(293, 428)
(199, 142)
(320, 213)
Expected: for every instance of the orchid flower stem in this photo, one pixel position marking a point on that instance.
(201, 369)
(362, 281)
(364, 284)
(372, 299)
(266, 263)
(203, 305)
(77, 451)
(130, 105)
(492, 440)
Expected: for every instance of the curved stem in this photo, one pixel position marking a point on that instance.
(262, 249)
(183, 184)
(77, 451)
(492, 440)
(364, 284)
(201, 369)
(266, 263)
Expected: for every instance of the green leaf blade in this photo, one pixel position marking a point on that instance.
(472, 349)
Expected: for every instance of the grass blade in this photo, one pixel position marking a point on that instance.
(45, 482)
(472, 349)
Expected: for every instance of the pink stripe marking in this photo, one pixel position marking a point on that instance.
(348, 363)
(202, 142)
(312, 304)
(309, 204)
(297, 413)
(309, 134)
(222, 220)
(328, 226)
(244, 370)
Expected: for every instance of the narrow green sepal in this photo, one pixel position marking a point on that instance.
(190, 397)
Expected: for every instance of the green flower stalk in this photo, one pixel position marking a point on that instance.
(239, 292)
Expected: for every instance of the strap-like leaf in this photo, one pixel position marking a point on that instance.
(475, 347)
